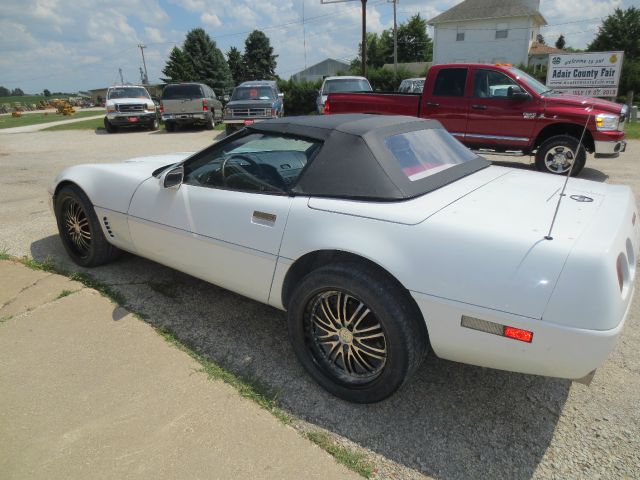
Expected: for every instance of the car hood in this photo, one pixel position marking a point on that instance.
(129, 101)
(111, 185)
(584, 102)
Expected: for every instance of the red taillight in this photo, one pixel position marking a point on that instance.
(274, 112)
(161, 108)
(326, 109)
(204, 106)
(518, 334)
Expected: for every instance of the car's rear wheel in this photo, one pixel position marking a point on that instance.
(80, 230)
(356, 332)
(109, 127)
(170, 126)
(211, 123)
(154, 125)
(558, 154)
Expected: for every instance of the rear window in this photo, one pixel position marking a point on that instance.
(422, 153)
(346, 85)
(450, 82)
(181, 92)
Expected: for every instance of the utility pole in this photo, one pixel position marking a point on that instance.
(146, 77)
(304, 37)
(121, 79)
(395, 38)
(364, 30)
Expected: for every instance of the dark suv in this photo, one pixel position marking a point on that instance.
(253, 101)
(188, 104)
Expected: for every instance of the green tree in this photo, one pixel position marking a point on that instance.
(4, 92)
(178, 67)
(414, 43)
(46, 92)
(208, 62)
(621, 31)
(17, 92)
(236, 65)
(259, 60)
(540, 39)
(561, 42)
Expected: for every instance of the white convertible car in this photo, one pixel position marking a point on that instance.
(380, 236)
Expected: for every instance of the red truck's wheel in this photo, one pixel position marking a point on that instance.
(557, 154)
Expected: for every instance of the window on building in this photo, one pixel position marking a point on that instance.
(502, 30)
(460, 37)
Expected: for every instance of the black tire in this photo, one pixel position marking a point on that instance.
(211, 122)
(154, 125)
(556, 155)
(393, 325)
(109, 127)
(80, 229)
(170, 126)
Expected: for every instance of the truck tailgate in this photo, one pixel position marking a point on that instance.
(382, 103)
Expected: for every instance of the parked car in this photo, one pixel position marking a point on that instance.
(497, 109)
(253, 101)
(340, 84)
(130, 106)
(189, 104)
(379, 235)
(411, 85)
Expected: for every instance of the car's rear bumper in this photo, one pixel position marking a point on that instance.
(555, 350)
(185, 118)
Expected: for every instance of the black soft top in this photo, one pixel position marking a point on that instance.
(354, 161)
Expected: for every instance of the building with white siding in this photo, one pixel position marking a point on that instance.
(487, 31)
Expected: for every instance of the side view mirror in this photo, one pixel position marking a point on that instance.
(281, 95)
(173, 177)
(517, 93)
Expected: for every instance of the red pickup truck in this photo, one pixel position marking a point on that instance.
(500, 109)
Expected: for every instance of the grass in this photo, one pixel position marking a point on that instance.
(220, 126)
(355, 461)
(7, 121)
(632, 130)
(65, 293)
(248, 387)
(93, 124)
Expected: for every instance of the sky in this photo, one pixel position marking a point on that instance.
(68, 46)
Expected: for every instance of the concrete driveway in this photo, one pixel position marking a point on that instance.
(451, 421)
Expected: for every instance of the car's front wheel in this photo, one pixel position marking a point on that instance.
(170, 126)
(356, 331)
(558, 154)
(80, 230)
(109, 127)
(154, 125)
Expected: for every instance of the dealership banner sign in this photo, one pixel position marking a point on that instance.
(594, 74)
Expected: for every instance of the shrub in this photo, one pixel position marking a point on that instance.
(299, 97)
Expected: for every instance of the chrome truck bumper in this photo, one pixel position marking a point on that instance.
(609, 149)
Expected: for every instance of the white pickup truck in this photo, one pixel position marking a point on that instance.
(130, 106)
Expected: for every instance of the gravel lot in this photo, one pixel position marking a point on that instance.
(451, 421)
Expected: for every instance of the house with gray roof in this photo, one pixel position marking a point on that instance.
(326, 68)
(487, 31)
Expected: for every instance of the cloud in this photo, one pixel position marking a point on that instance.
(210, 19)
(154, 34)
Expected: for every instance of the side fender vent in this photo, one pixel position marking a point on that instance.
(108, 227)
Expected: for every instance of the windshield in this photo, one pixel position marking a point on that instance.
(129, 92)
(422, 153)
(531, 82)
(346, 85)
(180, 92)
(253, 93)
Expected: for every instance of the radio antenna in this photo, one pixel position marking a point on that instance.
(566, 180)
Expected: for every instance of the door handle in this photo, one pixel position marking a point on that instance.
(479, 107)
(432, 104)
(263, 218)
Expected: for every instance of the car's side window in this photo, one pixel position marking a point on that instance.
(450, 82)
(256, 162)
(492, 84)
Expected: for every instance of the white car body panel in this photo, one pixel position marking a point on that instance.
(474, 247)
